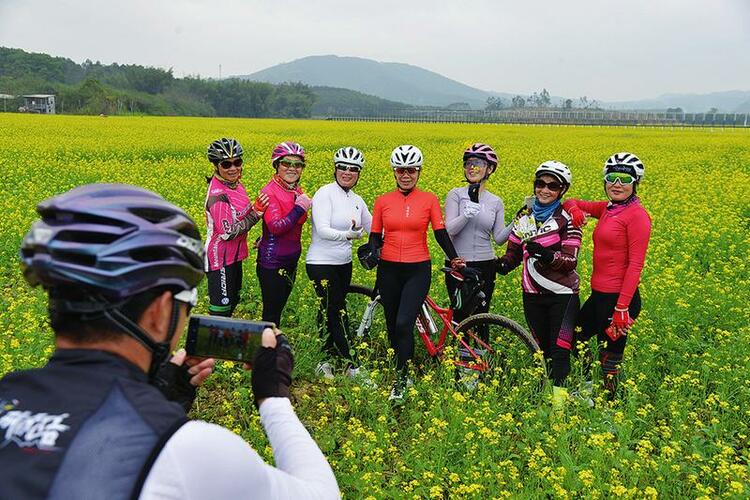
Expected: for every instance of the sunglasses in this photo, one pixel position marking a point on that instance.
(475, 162)
(349, 168)
(188, 297)
(406, 170)
(621, 177)
(227, 164)
(290, 164)
(552, 186)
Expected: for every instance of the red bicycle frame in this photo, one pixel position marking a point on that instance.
(426, 328)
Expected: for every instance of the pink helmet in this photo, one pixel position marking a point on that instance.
(287, 148)
(483, 151)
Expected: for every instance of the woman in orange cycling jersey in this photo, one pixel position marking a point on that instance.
(399, 232)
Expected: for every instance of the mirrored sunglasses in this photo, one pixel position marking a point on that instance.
(289, 164)
(475, 162)
(406, 170)
(620, 177)
(348, 168)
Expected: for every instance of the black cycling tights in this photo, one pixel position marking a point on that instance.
(224, 287)
(552, 319)
(594, 318)
(275, 287)
(403, 288)
(331, 283)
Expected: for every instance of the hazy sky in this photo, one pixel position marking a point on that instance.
(604, 49)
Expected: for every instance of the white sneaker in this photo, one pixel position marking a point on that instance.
(360, 375)
(325, 370)
(397, 394)
(583, 394)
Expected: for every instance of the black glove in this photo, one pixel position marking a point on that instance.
(174, 382)
(272, 370)
(544, 255)
(502, 267)
(474, 192)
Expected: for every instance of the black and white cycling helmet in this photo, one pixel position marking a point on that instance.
(349, 156)
(224, 149)
(558, 170)
(406, 156)
(627, 163)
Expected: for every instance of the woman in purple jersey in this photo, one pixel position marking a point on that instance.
(229, 216)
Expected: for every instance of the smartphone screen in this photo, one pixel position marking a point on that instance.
(224, 338)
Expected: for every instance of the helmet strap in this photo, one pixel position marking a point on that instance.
(346, 189)
(159, 350)
(227, 183)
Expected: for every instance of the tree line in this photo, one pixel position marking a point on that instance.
(96, 88)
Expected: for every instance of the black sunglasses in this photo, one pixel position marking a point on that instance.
(227, 164)
(552, 186)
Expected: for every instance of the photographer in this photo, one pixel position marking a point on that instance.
(121, 265)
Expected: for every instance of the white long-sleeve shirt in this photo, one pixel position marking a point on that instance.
(203, 460)
(333, 211)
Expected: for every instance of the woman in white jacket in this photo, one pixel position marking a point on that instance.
(339, 216)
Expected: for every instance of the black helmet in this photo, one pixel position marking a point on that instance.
(224, 149)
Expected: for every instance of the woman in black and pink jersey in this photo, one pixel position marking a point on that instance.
(229, 216)
(545, 240)
(620, 242)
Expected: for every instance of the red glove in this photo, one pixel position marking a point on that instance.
(576, 214)
(621, 323)
(261, 203)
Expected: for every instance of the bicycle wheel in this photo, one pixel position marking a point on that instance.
(501, 348)
(367, 323)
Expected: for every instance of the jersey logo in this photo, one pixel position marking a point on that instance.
(30, 430)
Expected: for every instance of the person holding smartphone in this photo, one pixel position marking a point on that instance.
(546, 241)
(339, 217)
(475, 221)
(620, 243)
(280, 246)
(229, 216)
(399, 236)
(106, 416)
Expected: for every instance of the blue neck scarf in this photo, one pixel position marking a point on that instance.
(543, 212)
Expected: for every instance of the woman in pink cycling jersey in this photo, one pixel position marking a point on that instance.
(280, 248)
(229, 216)
(620, 243)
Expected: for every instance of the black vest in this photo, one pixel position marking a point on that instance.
(87, 425)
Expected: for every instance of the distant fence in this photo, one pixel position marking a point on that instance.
(558, 117)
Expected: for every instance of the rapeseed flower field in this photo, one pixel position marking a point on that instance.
(680, 431)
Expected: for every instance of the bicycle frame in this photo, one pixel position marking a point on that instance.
(435, 349)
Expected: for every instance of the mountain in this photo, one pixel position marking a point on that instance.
(732, 101)
(344, 102)
(391, 81)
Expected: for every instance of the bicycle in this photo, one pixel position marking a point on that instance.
(487, 342)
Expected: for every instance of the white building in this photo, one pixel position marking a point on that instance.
(40, 103)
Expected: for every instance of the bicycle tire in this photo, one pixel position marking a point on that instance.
(360, 302)
(512, 349)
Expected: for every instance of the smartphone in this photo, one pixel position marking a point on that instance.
(224, 338)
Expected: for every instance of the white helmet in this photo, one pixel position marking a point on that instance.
(627, 163)
(406, 156)
(558, 170)
(349, 156)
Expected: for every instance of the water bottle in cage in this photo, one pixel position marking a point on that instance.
(425, 322)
